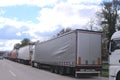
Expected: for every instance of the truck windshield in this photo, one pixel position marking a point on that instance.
(115, 44)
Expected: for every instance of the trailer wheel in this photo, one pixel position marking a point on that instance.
(32, 64)
(118, 76)
(56, 70)
(52, 69)
(72, 71)
(62, 70)
(39, 66)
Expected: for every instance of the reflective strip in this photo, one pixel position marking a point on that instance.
(99, 61)
(87, 72)
(79, 61)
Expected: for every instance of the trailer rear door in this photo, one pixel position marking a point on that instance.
(88, 48)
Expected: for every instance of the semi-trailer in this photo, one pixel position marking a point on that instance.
(25, 54)
(12, 55)
(77, 52)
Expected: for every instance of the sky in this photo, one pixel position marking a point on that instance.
(42, 19)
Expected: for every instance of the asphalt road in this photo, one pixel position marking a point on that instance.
(15, 71)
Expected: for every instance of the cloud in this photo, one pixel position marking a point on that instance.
(53, 16)
(67, 14)
(40, 3)
(8, 44)
(84, 1)
(11, 22)
(43, 3)
(18, 34)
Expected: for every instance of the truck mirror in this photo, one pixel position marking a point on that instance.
(109, 52)
(111, 46)
(108, 44)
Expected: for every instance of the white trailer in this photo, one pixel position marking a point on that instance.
(114, 58)
(25, 54)
(75, 52)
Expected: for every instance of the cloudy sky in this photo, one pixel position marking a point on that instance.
(42, 19)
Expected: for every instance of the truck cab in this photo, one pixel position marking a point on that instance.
(114, 57)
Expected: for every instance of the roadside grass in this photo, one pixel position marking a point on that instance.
(105, 74)
(105, 70)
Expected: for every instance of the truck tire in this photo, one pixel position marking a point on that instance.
(52, 69)
(56, 70)
(39, 66)
(118, 76)
(32, 64)
(26, 62)
(62, 71)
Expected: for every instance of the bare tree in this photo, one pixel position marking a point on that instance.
(64, 31)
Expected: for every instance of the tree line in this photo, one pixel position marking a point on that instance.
(24, 42)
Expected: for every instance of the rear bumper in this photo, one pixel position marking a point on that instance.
(88, 73)
(88, 70)
(96, 67)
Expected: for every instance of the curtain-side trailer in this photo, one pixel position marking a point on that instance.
(75, 52)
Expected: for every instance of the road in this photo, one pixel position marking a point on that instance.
(15, 71)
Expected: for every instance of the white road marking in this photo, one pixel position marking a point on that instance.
(13, 74)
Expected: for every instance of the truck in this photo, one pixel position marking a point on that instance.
(25, 54)
(114, 57)
(76, 52)
(12, 55)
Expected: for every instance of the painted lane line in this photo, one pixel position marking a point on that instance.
(13, 74)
